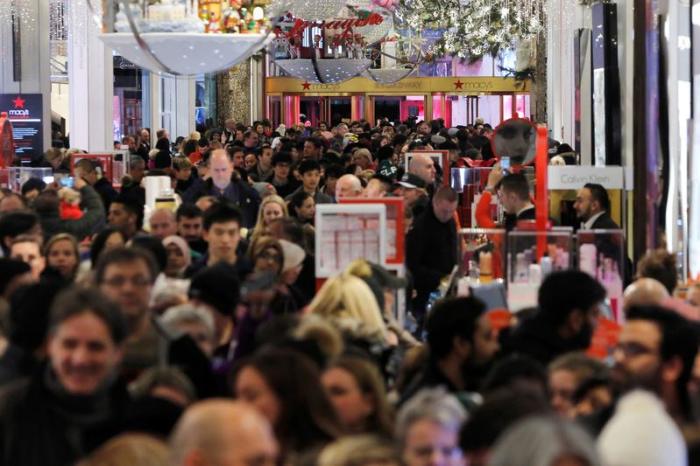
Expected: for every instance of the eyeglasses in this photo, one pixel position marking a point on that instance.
(632, 349)
(119, 281)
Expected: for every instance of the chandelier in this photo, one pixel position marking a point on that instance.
(331, 50)
(312, 10)
(400, 56)
(471, 29)
(184, 37)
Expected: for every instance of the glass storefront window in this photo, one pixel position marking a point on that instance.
(128, 98)
(274, 110)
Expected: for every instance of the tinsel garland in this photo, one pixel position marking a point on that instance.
(473, 28)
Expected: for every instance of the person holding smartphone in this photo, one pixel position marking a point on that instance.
(47, 206)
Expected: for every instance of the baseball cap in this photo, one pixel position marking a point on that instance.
(385, 279)
(411, 181)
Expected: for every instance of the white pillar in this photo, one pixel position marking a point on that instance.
(90, 76)
(155, 104)
(564, 18)
(676, 31)
(177, 108)
(257, 81)
(694, 162)
(34, 56)
(146, 93)
(625, 36)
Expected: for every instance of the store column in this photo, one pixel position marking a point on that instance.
(170, 103)
(694, 162)
(257, 84)
(177, 107)
(233, 94)
(24, 57)
(91, 76)
(566, 88)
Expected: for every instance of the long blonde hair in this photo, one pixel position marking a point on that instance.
(260, 226)
(348, 302)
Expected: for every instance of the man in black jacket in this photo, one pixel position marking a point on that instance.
(461, 346)
(74, 402)
(431, 250)
(285, 184)
(221, 185)
(514, 194)
(593, 208)
(568, 308)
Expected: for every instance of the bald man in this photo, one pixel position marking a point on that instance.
(223, 185)
(423, 166)
(644, 292)
(221, 432)
(163, 223)
(348, 186)
(376, 188)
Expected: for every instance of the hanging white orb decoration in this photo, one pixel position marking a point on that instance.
(184, 37)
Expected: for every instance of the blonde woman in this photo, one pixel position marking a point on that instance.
(360, 450)
(348, 303)
(271, 207)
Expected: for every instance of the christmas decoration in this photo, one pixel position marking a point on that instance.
(388, 4)
(472, 29)
(400, 55)
(333, 49)
(184, 37)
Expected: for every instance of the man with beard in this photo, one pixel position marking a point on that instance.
(189, 219)
(593, 208)
(567, 312)
(656, 352)
(653, 364)
(461, 345)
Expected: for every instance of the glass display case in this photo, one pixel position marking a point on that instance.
(469, 183)
(17, 176)
(532, 255)
(601, 254)
(483, 255)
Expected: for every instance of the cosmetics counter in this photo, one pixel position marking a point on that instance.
(110, 165)
(506, 269)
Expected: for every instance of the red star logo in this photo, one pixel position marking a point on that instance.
(19, 102)
(458, 84)
(306, 85)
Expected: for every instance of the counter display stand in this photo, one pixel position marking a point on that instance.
(347, 232)
(483, 257)
(469, 183)
(532, 255)
(396, 234)
(601, 254)
(395, 243)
